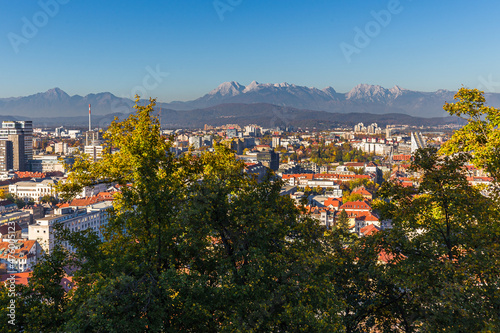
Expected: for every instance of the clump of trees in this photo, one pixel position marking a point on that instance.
(194, 244)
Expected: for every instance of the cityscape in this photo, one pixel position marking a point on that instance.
(146, 200)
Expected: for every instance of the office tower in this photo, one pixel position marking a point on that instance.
(276, 142)
(18, 153)
(270, 159)
(5, 155)
(22, 133)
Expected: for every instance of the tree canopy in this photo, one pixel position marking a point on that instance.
(196, 244)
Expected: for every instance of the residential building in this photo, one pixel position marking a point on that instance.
(10, 230)
(50, 163)
(95, 152)
(19, 255)
(92, 214)
(23, 218)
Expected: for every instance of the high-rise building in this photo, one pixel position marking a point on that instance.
(417, 141)
(270, 159)
(18, 152)
(94, 152)
(276, 142)
(22, 133)
(93, 138)
(5, 155)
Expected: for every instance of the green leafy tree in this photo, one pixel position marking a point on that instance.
(193, 244)
(343, 221)
(19, 202)
(352, 197)
(442, 249)
(481, 135)
(49, 199)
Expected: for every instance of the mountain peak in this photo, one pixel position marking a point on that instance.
(283, 85)
(228, 88)
(252, 86)
(55, 93)
(367, 92)
(329, 90)
(397, 91)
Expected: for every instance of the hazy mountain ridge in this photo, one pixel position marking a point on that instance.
(57, 103)
(266, 115)
(363, 98)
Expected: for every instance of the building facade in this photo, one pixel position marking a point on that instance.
(20, 133)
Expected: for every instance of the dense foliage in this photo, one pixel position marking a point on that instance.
(195, 244)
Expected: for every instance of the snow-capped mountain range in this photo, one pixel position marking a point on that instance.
(362, 98)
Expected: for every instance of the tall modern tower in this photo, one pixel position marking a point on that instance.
(417, 141)
(20, 133)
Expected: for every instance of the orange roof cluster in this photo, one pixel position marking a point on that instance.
(480, 179)
(327, 176)
(105, 195)
(20, 278)
(336, 203)
(356, 205)
(369, 230)
(402, 157)
(23, 279)
(363, 191)
(21, 251)
(367, 217)
(316, 210)
(354, 164)
(30, 174)
(299, 175)
(337, 176)
(102, 196)
(385, 257)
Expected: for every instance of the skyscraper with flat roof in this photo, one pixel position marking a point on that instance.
(20, 133)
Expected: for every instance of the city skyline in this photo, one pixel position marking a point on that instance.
(180, 51)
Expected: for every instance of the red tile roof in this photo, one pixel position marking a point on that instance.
(356, 205)
(82, 202)
(369, 230)
(20, 278)
(21, 250)
(333, 201)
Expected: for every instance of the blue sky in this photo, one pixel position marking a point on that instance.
(92, 46)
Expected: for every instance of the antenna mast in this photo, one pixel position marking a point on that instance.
(90, 125)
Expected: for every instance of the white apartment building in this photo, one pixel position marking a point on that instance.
(48, 163)
(90, 191)
(95, 152)
(33, 190)
(94, 217)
